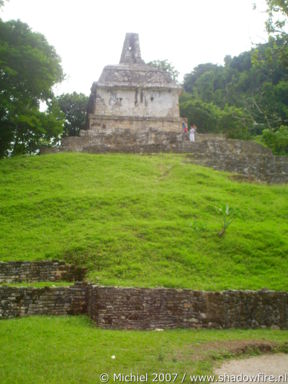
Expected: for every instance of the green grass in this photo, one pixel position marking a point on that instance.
(46, 350)
(140, 220)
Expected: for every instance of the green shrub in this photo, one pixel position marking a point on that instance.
(204, 115)
(277, 140)
(235, 123)
(232, 121)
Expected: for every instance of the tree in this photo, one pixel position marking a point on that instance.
(277, 16)
(74, 107)
(250, 92)
(35, 128)
(164, 65)
(191, 78)
(29, 67)
(230, 120)
(235, 123)
(204, 115)
(254, 82)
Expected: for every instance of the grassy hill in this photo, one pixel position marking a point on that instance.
(144, 220)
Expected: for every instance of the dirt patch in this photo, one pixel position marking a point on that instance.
(275, 365)
(238, 347)
(216, 349)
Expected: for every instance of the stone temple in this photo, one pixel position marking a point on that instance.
(133, 107)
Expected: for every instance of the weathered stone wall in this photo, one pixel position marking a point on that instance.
(17, 271)
(104, 138)
(244, 157)
(132, 127)
(143, 308)
(136, 102)
(138, 308)
(18, 302)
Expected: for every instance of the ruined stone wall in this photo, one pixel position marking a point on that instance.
(137, 127)
(136, 102)
(17, 271)
(23, 301)
(143, 308)
(139, 308)
(244, 157)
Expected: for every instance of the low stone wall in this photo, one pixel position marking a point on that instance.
(143, 308)
(138, 308)
(17, 271)
(24, 301)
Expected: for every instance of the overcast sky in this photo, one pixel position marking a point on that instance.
(89, 34)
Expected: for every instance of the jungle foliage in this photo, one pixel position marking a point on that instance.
(244, 97)
(248, 95)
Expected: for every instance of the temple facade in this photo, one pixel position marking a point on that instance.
(133, 106)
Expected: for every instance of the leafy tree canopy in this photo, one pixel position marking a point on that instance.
(164, 65)
(208, 117)
(277, 16)
(74, 107)
(29, 67)
(277, 140)
(255, 81)
(191, 78)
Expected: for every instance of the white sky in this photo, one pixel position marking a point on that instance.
(89, 34)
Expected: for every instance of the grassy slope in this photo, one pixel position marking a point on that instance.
(143, 221)
(64, 350)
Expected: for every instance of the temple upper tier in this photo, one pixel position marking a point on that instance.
(132, 104)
